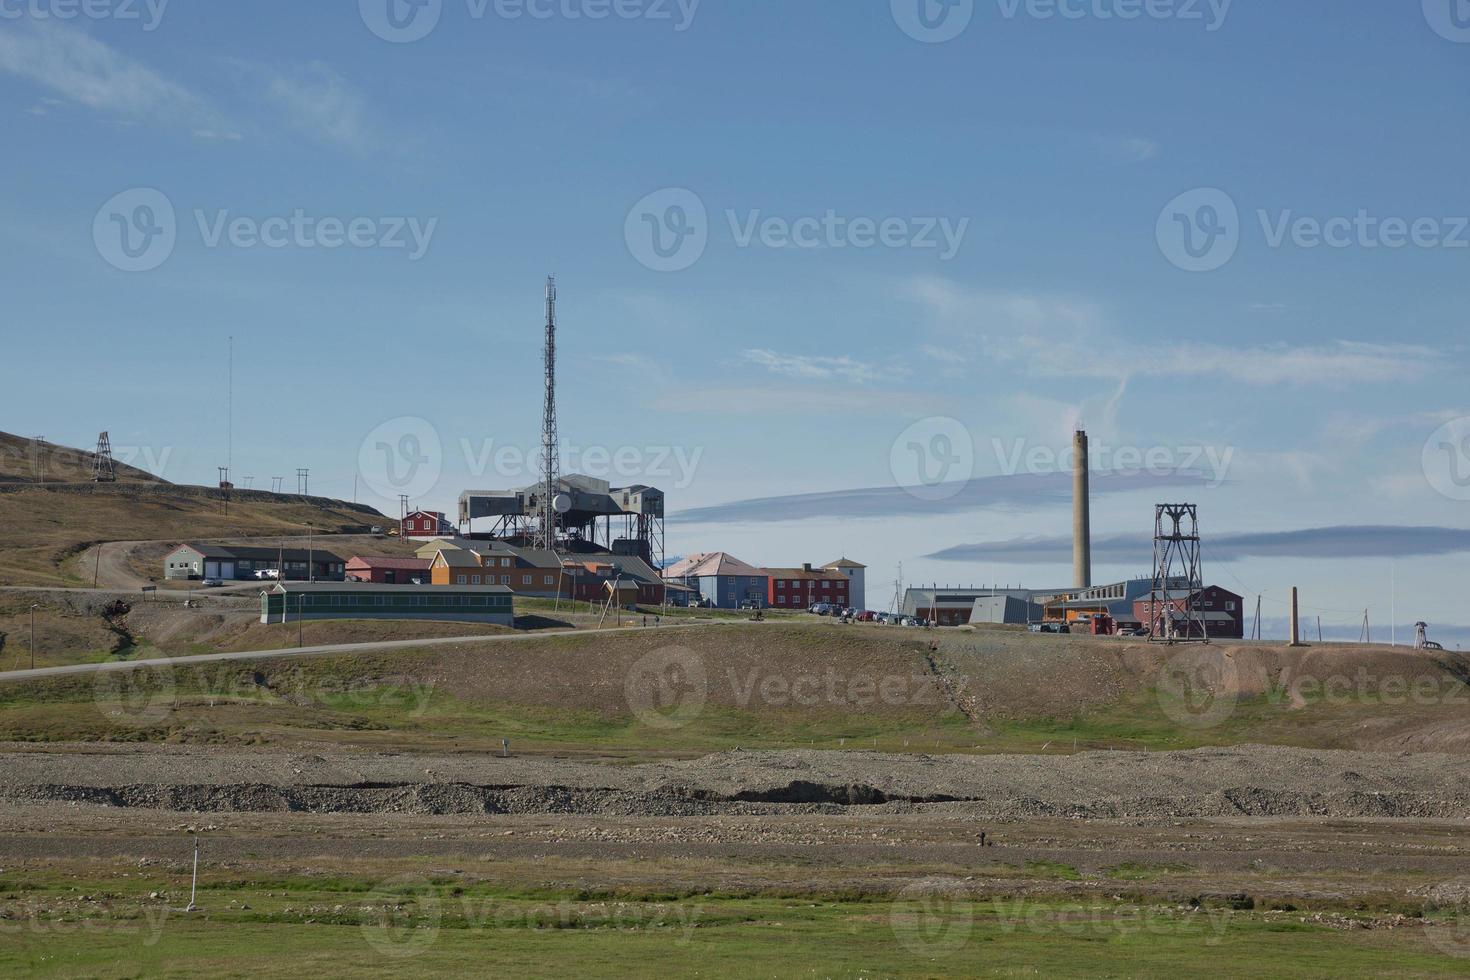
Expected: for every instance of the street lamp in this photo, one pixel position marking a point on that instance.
(33, 635)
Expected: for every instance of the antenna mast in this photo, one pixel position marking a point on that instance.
(550, 450)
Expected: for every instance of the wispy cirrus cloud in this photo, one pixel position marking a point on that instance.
(814, 368)
(318, 102)
(77, 68)
(1027, 330)
(1128, 149)
(1344, 542)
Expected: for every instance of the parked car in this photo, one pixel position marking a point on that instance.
(822, 609)
(866, 616)
(750, 604)
(212, 583)
(1049, 628)
(267, 573)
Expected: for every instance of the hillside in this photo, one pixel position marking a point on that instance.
(46, 523)
(792, 685)
(33, 461)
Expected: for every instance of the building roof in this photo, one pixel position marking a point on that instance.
(367, 588)
(390, 564)
(536, 557)
(844, 563)
(233, 553)
(454, 558)
(811, 575)
(628, 566)
(711, 564)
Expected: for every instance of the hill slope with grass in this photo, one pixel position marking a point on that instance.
(50, 512)
(692, 690)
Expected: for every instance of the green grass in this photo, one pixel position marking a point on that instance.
(443, 925)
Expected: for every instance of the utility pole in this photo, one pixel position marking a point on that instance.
(97, 567)
(33, 636)
(194, 885)
(1256, 632)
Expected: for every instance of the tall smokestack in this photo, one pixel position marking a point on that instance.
(1081, 514)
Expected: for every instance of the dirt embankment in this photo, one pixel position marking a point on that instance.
(1256, 781)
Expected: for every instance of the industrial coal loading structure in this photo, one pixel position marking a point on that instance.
(588, 515)
(573, 514)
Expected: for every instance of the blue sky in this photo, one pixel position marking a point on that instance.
(1293, 385)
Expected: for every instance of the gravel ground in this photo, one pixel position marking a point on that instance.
(1241, 781)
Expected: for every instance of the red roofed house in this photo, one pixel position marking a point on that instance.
(388, 571)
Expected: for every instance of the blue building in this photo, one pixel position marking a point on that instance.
(720, 580)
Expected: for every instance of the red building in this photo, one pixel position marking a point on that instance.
(1223, 612)
(388, 571)
(425, 525)
(804, 587)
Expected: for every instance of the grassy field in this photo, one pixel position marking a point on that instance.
(129, 923)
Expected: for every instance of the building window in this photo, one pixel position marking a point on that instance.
(505, 580)
(474, 580)
(461, 580)
(549, 580)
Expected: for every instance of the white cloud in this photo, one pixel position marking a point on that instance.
(819, 368)
(81, 69)
(764, 400)
(317, 101)
(1033, 328)
(1128, 149)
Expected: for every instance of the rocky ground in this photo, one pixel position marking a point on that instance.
(1255, 781)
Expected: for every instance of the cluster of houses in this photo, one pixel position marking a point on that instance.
(717, 580)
